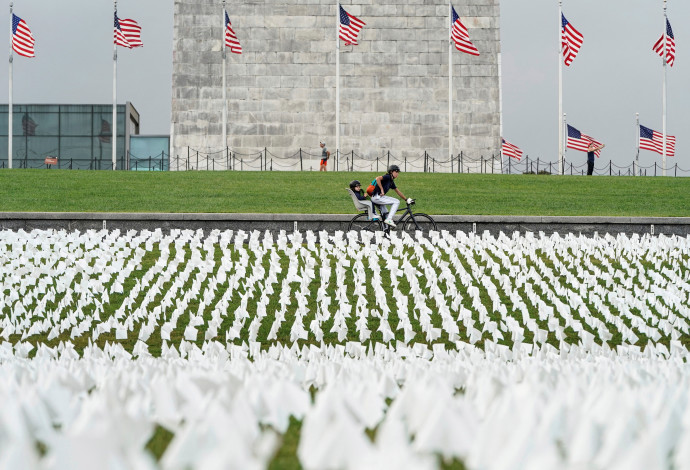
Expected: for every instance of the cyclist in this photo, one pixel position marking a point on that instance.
(356, 188)
(382, 185)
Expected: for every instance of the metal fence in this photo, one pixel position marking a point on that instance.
(158, 162)
(301, 160)
(93, 163)
(542, 167)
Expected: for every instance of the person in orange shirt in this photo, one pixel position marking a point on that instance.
(324, 157)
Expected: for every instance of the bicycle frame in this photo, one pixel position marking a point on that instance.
(401, 219)
(408, 221)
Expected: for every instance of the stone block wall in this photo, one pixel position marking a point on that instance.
(281, 90)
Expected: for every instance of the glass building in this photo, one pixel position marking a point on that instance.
(149, 152)
(78, 135)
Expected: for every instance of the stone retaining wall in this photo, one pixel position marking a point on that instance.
(331, 222)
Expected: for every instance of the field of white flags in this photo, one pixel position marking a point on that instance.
(144, 350)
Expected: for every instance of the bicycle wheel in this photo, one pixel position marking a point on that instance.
(418, 221)
(361, 222)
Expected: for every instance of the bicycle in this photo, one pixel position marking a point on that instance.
(409, 221)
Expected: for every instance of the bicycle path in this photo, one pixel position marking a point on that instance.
(587, 225)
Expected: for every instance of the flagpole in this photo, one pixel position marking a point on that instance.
(500, 101)
(637, 144)
(114, 133)
(450, 84)
(663, 92)
(337, 81)
(562, 126)
(225, 91)
(10, 108)
(560, 88)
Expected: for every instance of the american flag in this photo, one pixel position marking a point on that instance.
(510, 150)
(350, 27)
(460, 36)
(580, 141)
(106, 132)
(127, 33)
(231, 40)
(670, 45)
(22, 39)
(654, 141)
(571, 41)
(28, 125)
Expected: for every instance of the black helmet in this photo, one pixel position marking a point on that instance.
(393, 168)
(354, 183)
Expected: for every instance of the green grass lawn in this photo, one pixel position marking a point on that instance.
(314, 192)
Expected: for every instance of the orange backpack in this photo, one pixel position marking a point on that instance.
(370, 189)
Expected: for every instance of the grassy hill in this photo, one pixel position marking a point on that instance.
(314, 192)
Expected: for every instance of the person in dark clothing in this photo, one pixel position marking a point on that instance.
(383, 184)
(356, 188)
(593, 147)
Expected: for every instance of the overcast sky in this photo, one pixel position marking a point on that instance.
(74, 57)
(615, 75)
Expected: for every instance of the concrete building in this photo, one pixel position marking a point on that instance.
(281, 91)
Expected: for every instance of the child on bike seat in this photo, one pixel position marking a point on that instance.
(378, 197)
(356, 188)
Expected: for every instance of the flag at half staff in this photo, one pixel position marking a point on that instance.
(510, 150)
(654, 141)
(127, 33)
(28, 125)
(460, 36)
(106, 132)
(350, 26)
(579, 141)
(670, 45)
(231, 40)
(571, 41)
(22, 39)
